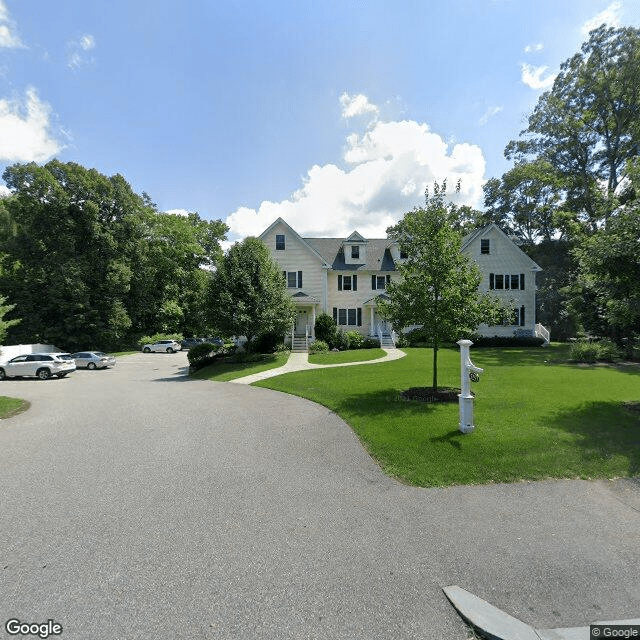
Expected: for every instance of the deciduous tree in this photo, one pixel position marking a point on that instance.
(439, 285)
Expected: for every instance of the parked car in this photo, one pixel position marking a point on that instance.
(217, 341)
(41, 365)
(187, 343)
(168, 346)
(93, 360)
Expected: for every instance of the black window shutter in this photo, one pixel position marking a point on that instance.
(359, 316)
(522, 281)
(388, 279)
(299, 279)
(522, 316)
(284, 275)
(491, 281)
(335, 315)
(339, 283)
(373, 283)
(355, 283)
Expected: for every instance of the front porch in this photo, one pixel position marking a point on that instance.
(303, 329)
(379, 328)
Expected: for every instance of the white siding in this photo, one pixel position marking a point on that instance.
(297, 257)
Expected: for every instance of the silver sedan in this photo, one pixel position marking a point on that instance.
(93, 360)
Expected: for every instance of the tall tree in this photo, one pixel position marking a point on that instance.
(587, 126)
(439, 284)
(607, 290)
(248, 295)
(525, 200)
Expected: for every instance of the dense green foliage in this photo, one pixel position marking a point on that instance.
(90, 264)
(318, 346)
(247, 295)
(588, 351)
(325, 328)
(439, 284)
(202, 354)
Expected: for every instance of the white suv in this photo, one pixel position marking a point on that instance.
(41, 365)
(170, 346)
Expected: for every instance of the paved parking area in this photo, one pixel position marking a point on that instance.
(136, 503)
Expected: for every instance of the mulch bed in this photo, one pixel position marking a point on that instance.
(428, 394)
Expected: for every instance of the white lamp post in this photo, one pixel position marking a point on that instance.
(465, 398)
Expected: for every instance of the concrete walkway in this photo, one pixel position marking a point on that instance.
(299, 361)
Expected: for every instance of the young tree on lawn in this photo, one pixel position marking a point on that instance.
(439, 285)
(248, 295)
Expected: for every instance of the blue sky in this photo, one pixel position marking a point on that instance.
(334, 115)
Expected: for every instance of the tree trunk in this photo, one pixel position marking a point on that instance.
(435, 365)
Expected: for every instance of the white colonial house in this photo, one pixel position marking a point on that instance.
(345, 277)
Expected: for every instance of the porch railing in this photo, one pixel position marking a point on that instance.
(543, 332)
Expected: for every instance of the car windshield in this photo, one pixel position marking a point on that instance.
(99, 354)
(63, 356)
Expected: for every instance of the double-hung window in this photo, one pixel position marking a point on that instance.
(355, 251)
(280, 244)
(380, 282)
(293, 279)
(347, 283)
(348, 317)
(506, 281)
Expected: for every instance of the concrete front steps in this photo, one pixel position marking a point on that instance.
(299, 344)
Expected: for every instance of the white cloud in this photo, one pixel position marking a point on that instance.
(358, 105)
(610, 16)
(77, 51)
(385, 175)
(9, 38)
(488, 114)
(532, 77)
(25, 130)
(178, 212)
(534, 48)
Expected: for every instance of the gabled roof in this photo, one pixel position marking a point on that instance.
(294, 233)
(303, 298)
(482, 231)
(356, 237)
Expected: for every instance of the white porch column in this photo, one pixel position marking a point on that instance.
(313, 321)
(371, 328)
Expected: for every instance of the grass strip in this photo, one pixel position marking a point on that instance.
(340, 357)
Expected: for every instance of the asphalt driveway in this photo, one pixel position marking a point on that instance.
(135, 503)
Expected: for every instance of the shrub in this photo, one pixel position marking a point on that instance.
(371, 343)
(318, 346)
(325, 328)
(267, 342)
(341, 341)
(585, 351)
(178, 337)
(356, 339)
(202, 354)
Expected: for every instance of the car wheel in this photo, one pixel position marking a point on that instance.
(3, 375)
(91, 365)
(146, 350)
(43, 374)
(169, 350)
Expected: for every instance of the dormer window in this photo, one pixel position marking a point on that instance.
(280, 242)
(355, 251)
(485, 247)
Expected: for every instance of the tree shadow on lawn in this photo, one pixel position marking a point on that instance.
(604, 430)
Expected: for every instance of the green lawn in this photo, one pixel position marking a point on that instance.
(11, 406)
(536, 417)
(224, 371)
(340, 357)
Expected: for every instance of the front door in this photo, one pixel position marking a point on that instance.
(301, 322)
